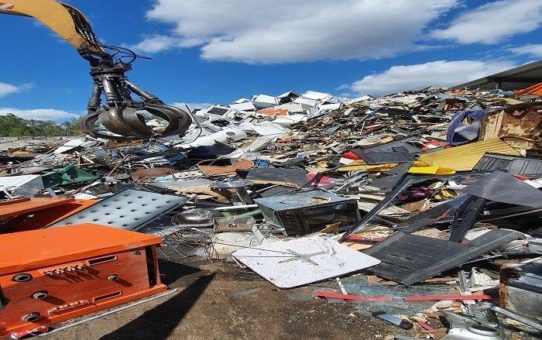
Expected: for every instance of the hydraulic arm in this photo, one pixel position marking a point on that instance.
(112, 100)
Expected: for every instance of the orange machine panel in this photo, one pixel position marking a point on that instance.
(36, 213)
(25, 205)
(52, 275)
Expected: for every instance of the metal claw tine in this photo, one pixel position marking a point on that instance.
(121, 113)
(128, 123)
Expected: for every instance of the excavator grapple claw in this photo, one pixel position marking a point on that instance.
(123, 116)
(130, 122)
(112, 103)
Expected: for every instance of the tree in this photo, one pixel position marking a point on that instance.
(14, 126)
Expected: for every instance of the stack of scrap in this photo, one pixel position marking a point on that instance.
(394, 203)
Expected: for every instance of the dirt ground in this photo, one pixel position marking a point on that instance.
(222, 301)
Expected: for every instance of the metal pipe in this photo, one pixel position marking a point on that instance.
(518, 318)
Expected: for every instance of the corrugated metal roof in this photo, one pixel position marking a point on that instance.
(536, 89)
(514, 79)
(465, 157)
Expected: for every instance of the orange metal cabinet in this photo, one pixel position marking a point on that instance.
(28, 214)
(52, 275)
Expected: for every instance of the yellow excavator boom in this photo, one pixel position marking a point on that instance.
(120, 113)
(66, 21)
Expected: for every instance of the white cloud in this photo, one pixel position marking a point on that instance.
(40, 114)
(440, 73)
(531, 50)
(154, 44)
(275, 31)
(494, 22)
(7, 89)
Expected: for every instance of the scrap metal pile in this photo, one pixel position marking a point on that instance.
(423, 208)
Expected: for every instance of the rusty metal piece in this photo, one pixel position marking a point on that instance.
(274, 112)
(145, 174)
(519, 289)
(210, 169)
(517, 125)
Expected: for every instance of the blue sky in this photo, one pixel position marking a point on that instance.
(210, 51)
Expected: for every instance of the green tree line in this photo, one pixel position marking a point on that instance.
(13, 126)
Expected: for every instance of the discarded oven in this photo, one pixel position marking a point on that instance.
(305, 212)
(52, 275)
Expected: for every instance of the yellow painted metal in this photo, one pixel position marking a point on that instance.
(430, 170)
(52, 14)
(367, 167)
(465, 157)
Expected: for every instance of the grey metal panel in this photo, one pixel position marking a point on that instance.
(299, 199)
(512, 79)
(402, 145)
(290, 177)
(502, 187)
(129, 209)
(523, 301)
(385, 157)
(514, 165)
(410, 258)
(521, 288)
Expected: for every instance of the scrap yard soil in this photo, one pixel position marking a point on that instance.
(217, 301)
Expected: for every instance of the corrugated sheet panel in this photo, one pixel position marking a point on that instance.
(465, 157)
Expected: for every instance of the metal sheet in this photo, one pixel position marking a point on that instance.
(404, 183)
(26, 185)
(468, 216)
(510, 164)
(40, 212)
(129, 209)
(281, 176)
(67, 175)
(465, 157)
(384, 157)
(303, 261)
(211, 169)
(389, 179)
(403, 145)
(505, 188)
(410, 258)
(520, 290)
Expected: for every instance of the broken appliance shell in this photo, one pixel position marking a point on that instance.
(305, 212)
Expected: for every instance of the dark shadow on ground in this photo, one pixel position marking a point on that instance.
(159, 322)
(173, 271)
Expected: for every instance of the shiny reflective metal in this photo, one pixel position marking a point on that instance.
(194, 218)
(129, 209)
(121, 114)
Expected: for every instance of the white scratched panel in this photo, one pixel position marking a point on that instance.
(318, 258)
